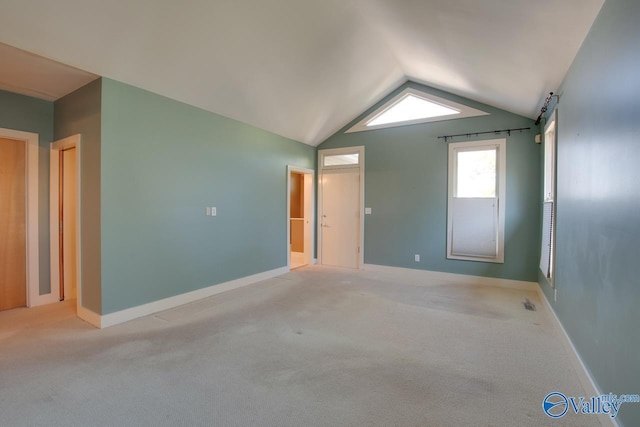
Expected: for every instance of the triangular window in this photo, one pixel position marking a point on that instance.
(412, 106)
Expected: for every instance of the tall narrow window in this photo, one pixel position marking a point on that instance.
(549, 196)
(476, 200)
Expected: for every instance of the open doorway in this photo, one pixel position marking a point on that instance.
(64, 202)
(300, 216)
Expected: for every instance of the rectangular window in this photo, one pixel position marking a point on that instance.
(550, 160)
(341, 159)
(549, 196)
(475, 223)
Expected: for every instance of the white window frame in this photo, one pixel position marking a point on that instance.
(501, 178)
(464, 110)
(550, 136)
(549, 185)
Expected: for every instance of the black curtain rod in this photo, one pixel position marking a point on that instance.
(544, 107)
(495, 132)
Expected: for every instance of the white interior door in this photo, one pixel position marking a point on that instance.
(340, 218)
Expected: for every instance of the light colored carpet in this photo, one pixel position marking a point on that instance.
(314, 347)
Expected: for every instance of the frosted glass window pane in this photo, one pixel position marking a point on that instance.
(476, 173)
(341, 159)
(549, 163)
(412, 107)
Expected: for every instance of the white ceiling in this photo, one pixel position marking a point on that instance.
(302, 68)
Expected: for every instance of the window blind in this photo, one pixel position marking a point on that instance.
(546, 247)
(475, 227)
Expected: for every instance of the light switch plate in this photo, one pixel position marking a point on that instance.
(214, 211)
(207, 211)
(367, 211)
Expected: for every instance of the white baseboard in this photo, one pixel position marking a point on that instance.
(586, 379)
(455, 278)
(89, 316)
(122, 316)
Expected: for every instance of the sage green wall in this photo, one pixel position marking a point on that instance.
(598, 204)
(163, 162)
(79, 113)
(28, 114)
(406, 187)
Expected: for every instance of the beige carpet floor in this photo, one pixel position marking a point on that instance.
(314, 347)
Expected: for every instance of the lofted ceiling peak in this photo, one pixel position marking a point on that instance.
(304, 70)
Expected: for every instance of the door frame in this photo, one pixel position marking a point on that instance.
(32, 272)
(360, 166)
(54, 214)
(305, 171)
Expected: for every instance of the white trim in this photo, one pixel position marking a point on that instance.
(361, 243)
(305, 171)
(330, 152)
(340, 151)
(54, 219)
(579, 366)
(122, 316)
(453, 278)
(551, 127)
(501, 169)
(31, 201)
(89, 316)
(66, 143)
(45, 299)
(54, 236)
(465, 111)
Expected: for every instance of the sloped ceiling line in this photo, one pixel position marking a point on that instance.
(304, 70)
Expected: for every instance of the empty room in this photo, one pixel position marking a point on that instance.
(334, 213)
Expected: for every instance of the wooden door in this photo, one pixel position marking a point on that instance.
(341, 218)
(13, 256)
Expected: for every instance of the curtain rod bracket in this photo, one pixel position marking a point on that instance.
(546, 105)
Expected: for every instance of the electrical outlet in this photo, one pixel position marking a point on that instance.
(214, 211)
(207, 211)
(416, 257)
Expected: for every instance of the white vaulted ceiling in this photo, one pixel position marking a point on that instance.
(301, 68)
